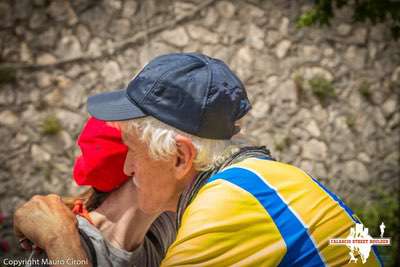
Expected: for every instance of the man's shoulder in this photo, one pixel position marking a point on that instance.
(257, 167)
(229, 192)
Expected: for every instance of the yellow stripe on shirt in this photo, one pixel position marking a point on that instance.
(226, 226)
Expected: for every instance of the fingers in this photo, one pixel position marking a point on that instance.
(25, 215)
(26, 244)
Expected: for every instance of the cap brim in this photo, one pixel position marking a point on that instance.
(113, 106)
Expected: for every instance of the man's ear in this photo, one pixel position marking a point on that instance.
(186, 153)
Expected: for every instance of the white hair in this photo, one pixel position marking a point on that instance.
(160, 138)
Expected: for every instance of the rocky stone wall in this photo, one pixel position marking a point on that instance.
(324, 99)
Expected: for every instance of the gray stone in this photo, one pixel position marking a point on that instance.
(202, 34)
(39, 154)
(356, 171)
(54, 98)
(328, 52)
(355, 57)
(272, 81)
(364, 157)
(282, 48)
(43, 79)
(286, 92)
(260, 109)
(25, 53)
(8, 118)
(273, 37)
(88, 80)
(396, 75)
(315, 169)
(284, 27)
(182, 9)
(22, 9)
(331, 63)
(308, 73)
(211, 17)
(377, 32)
(379, 117)
(389, 107)
(226, 9)
(112, 4)
(46, 59)
(34, 96)
(6, 17)
(154, 49)
(83, 34)
(359, 36)
(343, 29)
(129, 9)
(75, 70)
(230, 31)
(48, 38)
(242, 62)
(320, 171)
(313, 129)
(306, 166)
(62, 11)
(177, 37)
(300, 134)
(222, 52)
(120, 27)
(96, 19)
(71, 120)
(37, 20)
(315, 150)
(74, 97)
(255, 37)
(111, 72)
(66, 139)
(251, 13)
(69, 47)
(95, 48)
(310, 53)
(63, 82)
(372, 50)
(39, 3)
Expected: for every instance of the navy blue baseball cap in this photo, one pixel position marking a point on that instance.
(192, 92)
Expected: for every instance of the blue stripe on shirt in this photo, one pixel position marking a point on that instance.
(301, 250)
(350, 213)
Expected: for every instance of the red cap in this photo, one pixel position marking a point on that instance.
(103, 155)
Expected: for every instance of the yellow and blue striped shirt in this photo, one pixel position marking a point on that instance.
(260, 212)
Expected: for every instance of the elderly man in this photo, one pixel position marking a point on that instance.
(235, 205)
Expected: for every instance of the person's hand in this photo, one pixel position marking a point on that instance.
(44, 220)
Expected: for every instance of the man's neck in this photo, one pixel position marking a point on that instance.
(120, 220)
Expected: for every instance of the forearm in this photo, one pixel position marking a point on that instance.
(67, 251)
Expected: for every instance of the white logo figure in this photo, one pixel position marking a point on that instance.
(382, 227)
(362, 249)
(352, 257)
(360, 242)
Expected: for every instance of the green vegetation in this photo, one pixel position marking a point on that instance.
(284, 143)
(51, 126)
(322, 88)
(351, 121)
(373, 11)
(365, 91)
(385, 208)
(7, 74)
